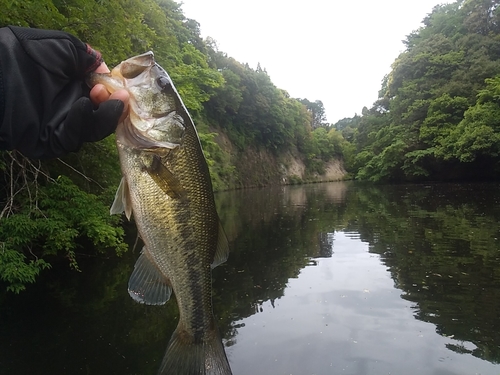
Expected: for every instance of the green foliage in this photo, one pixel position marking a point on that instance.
(222, 172)
(16, 271)
(294, 180)
(252, 111)
(320, 143)
(52, 219)
(76, 214)
(195, 80)
(437, 113)
(52, 209)
(325, 145)
(443, 115)
(317, 111)
(42, 14)
(478, 134)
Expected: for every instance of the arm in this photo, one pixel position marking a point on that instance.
(45, 109)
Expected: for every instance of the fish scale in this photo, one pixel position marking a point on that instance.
(166, 186)
(183, 263)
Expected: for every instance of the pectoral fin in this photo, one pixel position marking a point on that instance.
(222, 251)
(164, 178)
(122, 201)
(147, 284)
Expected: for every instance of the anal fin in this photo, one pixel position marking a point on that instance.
(147, 284)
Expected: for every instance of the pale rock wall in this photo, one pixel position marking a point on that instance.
(294, 167)
(264, 168)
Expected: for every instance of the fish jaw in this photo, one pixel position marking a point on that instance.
(111, 83)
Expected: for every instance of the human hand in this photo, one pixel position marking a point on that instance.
(99, 93)
(46, 109)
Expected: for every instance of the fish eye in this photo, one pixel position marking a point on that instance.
(164, 83)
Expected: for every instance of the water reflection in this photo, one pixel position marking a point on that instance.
(439, 244)
(331, 278)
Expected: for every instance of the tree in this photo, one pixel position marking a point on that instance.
(433, 118)
(51, 209)
(317, 111)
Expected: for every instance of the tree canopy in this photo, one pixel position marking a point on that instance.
(55, 211)
(437, 116)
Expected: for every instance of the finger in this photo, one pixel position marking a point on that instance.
(124, 96)
(99, 94)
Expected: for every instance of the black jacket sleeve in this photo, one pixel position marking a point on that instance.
(44, 106)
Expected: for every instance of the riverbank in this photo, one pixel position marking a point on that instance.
(262, 167)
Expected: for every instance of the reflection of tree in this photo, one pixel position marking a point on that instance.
(261, 264)
(440, 246)
(278, 232)
(84, 323)
(442, 249)
(90, 317)
(326, 244)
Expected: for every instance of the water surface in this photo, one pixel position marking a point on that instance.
(334, 278)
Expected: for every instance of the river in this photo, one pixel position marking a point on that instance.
(332, 278)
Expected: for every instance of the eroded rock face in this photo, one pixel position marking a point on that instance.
(264, 168)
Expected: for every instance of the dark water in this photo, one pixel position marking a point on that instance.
(323, 279)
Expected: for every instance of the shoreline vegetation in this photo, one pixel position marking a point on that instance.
(437, 118)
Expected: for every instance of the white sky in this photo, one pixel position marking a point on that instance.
(329, 50)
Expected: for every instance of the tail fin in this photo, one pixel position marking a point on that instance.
(185, 356)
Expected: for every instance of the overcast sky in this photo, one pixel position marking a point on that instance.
(329, 50)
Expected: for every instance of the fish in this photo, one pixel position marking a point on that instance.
(166, 187)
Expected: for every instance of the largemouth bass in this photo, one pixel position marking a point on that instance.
(166, 186)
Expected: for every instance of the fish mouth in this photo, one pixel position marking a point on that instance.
(134, 66)
(156, 116)
(128, 69)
